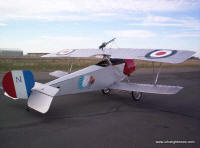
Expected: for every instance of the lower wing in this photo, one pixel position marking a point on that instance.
(147, 88)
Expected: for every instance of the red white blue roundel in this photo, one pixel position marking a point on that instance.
(65, 52)
(160, 53)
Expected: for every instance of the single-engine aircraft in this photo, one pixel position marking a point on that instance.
(117, 64)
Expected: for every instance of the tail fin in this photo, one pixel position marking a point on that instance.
(18, 83)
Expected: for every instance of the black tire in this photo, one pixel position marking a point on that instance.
(106, 91)
(27, 109)
(136, 96)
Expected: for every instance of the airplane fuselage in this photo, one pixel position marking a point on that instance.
(95, 77)
(88, 79)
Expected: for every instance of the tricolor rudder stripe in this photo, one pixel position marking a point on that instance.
(18, 83)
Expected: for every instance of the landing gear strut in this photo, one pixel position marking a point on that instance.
(106, 91)
(27, 109)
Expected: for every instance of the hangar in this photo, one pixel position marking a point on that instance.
(11, 52)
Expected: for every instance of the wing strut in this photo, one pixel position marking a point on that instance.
(158, 73)
(71, 66)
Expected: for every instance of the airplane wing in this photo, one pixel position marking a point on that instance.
(79, 53)
(58, 73)
(147, 88)
(157, 55)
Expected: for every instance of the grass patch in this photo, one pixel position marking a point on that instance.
(43, 64)
(50, 64)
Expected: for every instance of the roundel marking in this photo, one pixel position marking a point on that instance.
(160, 54)
(65, 52)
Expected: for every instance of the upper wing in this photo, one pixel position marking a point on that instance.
(82, 53)
(157, 55)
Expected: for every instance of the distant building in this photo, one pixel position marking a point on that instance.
(11, 52)
(36, 54)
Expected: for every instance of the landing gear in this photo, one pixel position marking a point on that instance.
(27, 109)
(106, 91)
(136, 96)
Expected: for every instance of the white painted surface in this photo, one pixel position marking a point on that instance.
(103, 78)
(147, 88)
(45, 89)
(58, 73)
(86, 80)
(20, 86)
(39, 101)
(41, 97)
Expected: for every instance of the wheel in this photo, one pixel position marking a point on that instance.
(27, 109)
(106, 91)
(136, 96)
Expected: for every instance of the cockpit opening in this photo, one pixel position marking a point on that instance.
(105, 63)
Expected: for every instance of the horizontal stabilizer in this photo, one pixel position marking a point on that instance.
(58, 73)
(41, 97)
(45, 89)
(147, 88)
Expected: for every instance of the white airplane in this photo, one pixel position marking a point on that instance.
(116, 65)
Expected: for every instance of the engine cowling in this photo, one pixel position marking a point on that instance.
(129, 66)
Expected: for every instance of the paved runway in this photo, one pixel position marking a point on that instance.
(93, 120)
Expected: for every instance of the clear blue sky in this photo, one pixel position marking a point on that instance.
(52, 25)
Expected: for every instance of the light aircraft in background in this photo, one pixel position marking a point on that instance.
(117, 64)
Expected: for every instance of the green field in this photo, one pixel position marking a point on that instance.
(49, 64)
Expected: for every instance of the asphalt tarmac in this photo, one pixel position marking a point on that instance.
(94, 120)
